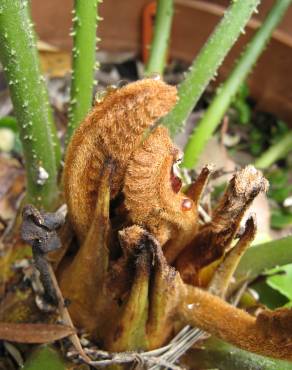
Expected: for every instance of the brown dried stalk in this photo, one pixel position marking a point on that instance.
(223, 274)
(215, 238)
(197, 188)
(39, 230)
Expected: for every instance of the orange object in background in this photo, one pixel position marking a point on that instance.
(193, 21)
(148, 20)
(149, 12)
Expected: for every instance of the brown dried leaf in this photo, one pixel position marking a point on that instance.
(81, 281)
(33, 333)
(146, 318)
(12, 182)
(129, 330)
(163, 298)
(55, 63)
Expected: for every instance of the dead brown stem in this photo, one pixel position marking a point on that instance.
(197, 187)
(39, 230)
(214, 238)
(223, 274)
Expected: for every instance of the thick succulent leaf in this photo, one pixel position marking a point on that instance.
(268, 296)
(223, 356)
(264, 256)
(280, 280)
(45, 358)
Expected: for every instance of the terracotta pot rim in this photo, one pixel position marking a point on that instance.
(218, 10)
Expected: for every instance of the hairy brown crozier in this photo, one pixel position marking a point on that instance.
(112, 130)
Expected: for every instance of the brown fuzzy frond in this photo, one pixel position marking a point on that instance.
(152, 197)
(111, 131)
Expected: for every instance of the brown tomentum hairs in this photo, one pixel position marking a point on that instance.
(136, 298)
(113, 130)
(153, 196)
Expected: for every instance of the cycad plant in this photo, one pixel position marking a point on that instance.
(130, 263)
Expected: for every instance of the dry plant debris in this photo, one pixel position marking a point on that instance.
(33, 333)
(39, 230)
(132, 276)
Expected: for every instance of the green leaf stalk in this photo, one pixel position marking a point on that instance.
(208, 61)
(275, 152)
(18, 55)
(160, 42)
(217, 354)
(85, 20)
(226, 92)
